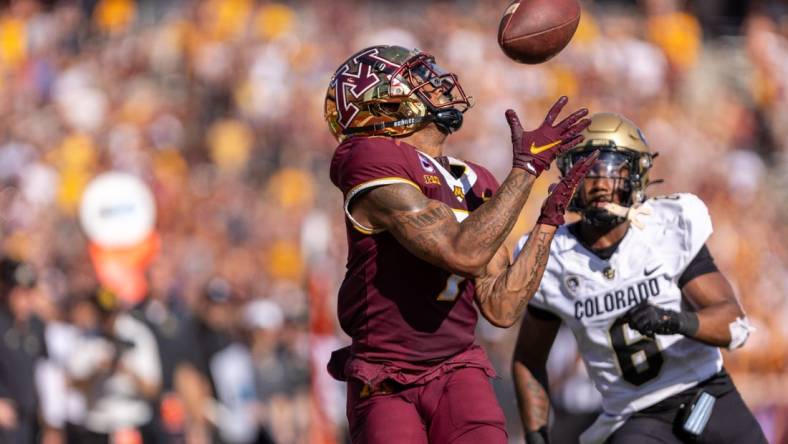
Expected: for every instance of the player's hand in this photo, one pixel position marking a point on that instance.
(648, 319)
(555, 205)
(534, 150)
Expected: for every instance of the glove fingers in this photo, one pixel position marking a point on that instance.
(577, 128)
(555, 110)
(579, 171)
(514, 125)
(636, 310)
(640, 318)
(572, 119)
(581, 168)
(569, 144)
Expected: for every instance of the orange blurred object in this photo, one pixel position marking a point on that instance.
(115, 15)
(122, 270)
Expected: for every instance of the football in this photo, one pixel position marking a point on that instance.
(533, 31)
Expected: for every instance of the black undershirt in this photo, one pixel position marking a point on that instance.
(702, 263)
(603, 253)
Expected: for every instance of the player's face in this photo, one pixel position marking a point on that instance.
(437, 86)
(606, 181)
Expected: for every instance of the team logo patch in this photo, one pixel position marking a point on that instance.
(429, 179)
(609, 273)
(459, 193)
(426, 165)
(572, 283)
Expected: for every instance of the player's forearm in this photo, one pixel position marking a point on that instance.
(484, 230)
(504, 302)
(714, 323)
(532, 396)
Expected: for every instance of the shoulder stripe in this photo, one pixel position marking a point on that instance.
(365, 186)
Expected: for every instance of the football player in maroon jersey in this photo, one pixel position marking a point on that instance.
(425, 238)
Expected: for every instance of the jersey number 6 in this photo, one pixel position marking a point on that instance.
(640, 359)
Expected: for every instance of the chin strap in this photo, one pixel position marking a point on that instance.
(381, 126)
(447, 120)
(631, 214)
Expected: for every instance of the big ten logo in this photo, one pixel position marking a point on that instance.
(431, 180)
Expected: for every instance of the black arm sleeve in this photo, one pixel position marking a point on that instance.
(542, 314)
(702, 264)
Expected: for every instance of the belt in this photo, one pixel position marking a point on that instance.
(387, 387)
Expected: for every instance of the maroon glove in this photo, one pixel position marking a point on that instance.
(555, 205)
(535, 150)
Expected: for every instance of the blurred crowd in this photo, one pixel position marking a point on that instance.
(217, 106)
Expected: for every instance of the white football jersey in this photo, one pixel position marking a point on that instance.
(591, 295)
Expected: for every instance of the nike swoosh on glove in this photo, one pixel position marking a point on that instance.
(534, 151)
(556, 203)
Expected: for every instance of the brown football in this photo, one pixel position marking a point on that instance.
(533, 31)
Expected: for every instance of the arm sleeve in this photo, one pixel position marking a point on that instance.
(701, 264)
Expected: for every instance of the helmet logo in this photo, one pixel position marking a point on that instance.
(358, 83)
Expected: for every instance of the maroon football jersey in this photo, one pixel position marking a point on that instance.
(395, 306)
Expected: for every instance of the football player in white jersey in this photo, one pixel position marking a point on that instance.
(649, 309)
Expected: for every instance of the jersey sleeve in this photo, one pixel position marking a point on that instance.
(701, 264)
(681, 227)
(695, 222)
(362, 164)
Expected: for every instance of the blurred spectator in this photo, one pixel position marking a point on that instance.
(21, 348)
(115, 366)
(219, 385)
(279, 373)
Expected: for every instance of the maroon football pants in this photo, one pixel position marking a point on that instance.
(458, 407)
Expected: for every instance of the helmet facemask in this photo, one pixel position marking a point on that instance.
(610, 179)
(624, 163)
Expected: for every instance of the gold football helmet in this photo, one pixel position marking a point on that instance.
(392, 91)
(622, 147)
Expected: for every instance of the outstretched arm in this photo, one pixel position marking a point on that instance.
(529, 371)
(504, 289)
(717, 308)
(718, 318)
(429, 229)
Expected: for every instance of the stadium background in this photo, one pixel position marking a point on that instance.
(217, 106)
